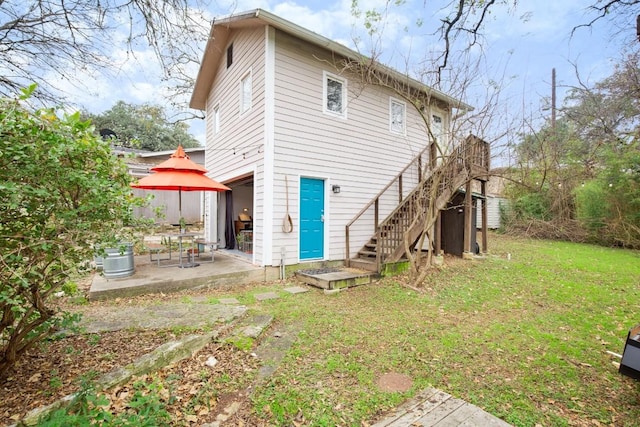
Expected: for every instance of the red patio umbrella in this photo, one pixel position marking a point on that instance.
(179, 173)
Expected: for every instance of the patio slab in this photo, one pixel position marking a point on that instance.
(227, 270)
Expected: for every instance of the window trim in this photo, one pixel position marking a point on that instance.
(230, 55)
(440, 138)
(246, 76)
(325, 77)
(403, 104)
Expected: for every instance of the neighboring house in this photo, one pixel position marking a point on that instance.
(305, 147)
(140, 165)
(496, 202)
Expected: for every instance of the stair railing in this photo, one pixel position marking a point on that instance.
(367, 220)
(471, 156)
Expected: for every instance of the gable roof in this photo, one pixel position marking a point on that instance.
(219, 35)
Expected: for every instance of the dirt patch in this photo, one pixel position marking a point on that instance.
(394, 382)
(56, 369)
(194, 392)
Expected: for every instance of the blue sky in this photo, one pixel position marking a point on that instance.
(520, 48)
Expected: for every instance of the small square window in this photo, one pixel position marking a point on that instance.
(397, 116)
(230, 55)
(245, 93)
(334, 95)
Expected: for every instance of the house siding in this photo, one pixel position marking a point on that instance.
(493, 212)
(238, 146)
(358, 153)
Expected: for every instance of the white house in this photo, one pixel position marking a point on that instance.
(303, 145)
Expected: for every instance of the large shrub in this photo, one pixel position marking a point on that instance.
(61, 190)
(591, 206)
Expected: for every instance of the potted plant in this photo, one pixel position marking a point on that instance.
(240, 241)
(116, 252)
(183, 225)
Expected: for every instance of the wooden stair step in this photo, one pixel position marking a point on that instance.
(368, 253)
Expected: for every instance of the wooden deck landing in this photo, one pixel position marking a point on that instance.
(433, 407)
(335, 278)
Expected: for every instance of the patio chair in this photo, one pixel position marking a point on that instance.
(157, 249)
(201, 243)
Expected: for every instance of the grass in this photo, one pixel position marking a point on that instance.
(524, 338)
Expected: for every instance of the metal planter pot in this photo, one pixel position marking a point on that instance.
(118, 262)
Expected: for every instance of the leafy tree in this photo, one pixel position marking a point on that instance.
(143, 126)
(61, 190)
(586, 168)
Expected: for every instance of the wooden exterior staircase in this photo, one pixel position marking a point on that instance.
(434, 190)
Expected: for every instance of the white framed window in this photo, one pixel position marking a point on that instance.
(397, 116)
(334, 95)
(216, 119)
(437, 128)
(245, 93)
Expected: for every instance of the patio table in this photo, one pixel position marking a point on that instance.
(180, 237)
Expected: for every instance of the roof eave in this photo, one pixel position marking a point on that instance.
(203, 83)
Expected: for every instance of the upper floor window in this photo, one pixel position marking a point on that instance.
(334, 91)
(245, 93)
(230, 55)
(436, 128)
(216, 119)
(397, 116)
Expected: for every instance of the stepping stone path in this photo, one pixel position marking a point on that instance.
(296, 290)
(266, 296)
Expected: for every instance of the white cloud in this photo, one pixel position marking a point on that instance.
(523, 51)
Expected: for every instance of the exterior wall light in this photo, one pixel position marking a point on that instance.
(335, 189)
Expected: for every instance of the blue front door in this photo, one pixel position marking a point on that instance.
(311, 218)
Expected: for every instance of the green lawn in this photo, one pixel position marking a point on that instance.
(524, 338)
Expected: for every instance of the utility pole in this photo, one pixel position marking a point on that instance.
(553, 100)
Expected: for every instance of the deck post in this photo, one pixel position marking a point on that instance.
(468, 213)
(438, 234)
(483, 187)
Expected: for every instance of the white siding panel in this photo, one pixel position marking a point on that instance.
(238, 146)
(358, 153)
(493, 212)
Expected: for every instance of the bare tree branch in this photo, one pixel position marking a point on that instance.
(51, 41)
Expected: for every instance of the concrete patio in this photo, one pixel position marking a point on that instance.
(227, 269)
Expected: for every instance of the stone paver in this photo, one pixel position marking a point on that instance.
(273, 348)
(266, 296)
(296, 290)
(229, 301)
(160, 316)
(256, 325)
